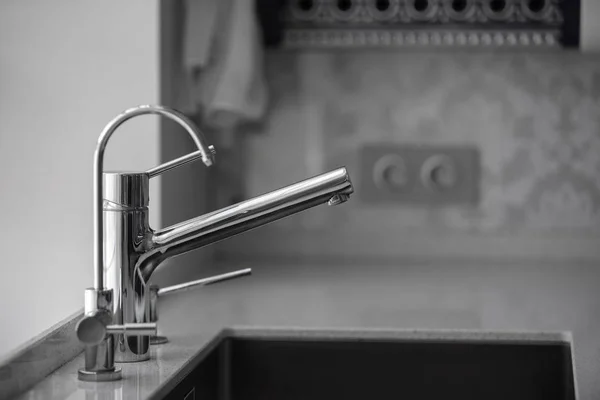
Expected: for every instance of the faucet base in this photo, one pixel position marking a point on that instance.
(131, 358)
(132, 349)
(100, 376)
(154, 340)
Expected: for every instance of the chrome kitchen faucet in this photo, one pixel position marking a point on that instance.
(120, 309)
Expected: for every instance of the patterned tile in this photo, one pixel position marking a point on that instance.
(534, 117)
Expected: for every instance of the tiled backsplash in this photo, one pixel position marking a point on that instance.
(534, 117)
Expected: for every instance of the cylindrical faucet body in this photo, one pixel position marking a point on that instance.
(127, 236)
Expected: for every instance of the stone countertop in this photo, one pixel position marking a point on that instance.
(140, 380)
(468, 302)
(172, 361)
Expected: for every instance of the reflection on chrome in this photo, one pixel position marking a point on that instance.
(120, 308)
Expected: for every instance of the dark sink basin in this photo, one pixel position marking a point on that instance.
(313, 368)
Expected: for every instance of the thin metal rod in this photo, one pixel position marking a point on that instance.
(174, 163)
(205, 281)
(109, 129)
(140, 328)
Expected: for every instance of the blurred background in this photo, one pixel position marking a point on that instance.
(472, 140)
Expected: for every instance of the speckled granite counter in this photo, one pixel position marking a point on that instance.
(172, 361)
(425, 298)
(139, 381)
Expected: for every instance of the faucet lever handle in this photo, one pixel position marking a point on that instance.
(178, 162)
(135, 329)
(155, 291)
(201, 282)
(92, 328)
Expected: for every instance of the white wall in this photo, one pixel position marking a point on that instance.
(66, 68)
(590, 25)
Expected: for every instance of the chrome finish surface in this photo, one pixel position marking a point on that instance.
(204, 281)
(127, 251)
(100, 376)
(338, 199)
(178, 162)
(125, 190)
(99, 350)
(95, 331)
(133, 251)
(91, 330)
(206, 154)
(241, 217)
(155, 339)
(145, 328)
(123, 199)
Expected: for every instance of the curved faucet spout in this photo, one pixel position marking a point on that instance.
(331, 188)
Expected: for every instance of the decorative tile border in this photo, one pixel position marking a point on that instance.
(547, 12)
(38, 358)
(438, 23)
(325, 38)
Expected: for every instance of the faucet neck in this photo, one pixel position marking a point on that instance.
(205, 152)
(125, 190)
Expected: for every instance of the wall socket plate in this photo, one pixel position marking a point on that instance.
(424, 175)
